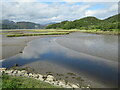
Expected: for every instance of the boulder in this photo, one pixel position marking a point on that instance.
(23, 71)
(9, 72)
(74, 86)
(35, 76)
(25, 74)
(49, 78)
(55, 83)
(19, 73)
(2, 69)
(40, 77)
(61, 83)
(30, 75)
(15, 71)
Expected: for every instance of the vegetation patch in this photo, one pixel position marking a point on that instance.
(37, 34)
(23, 82)
(89, 23)
(115, 32)
(73, 74)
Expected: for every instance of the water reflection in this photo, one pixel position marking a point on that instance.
(104, 46)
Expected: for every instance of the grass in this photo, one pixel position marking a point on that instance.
(23, 82)
(11, 33)
(115, 32)
(37, 34)
(41, 30)
(73, 74)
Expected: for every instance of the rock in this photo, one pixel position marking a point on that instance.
(23, 71)
(35, 76)
(40, 77)
(55, 83)
(15, 71)
(15, 65)
(19, 73)
(82, 87)
(2, 69)
(30, 75)
(9, 72)
(47, 78)
(26, 75)
(50, 78)
(74, 86)
(87, 87)
(62, 84)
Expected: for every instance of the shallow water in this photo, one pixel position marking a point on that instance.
(95, 55)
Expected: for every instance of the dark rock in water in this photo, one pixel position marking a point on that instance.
(21, 52)
(16, 65)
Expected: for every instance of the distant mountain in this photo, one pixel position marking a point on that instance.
(7, 24)
(28, 25)
(88, 23)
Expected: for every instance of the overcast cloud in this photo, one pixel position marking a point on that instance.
(40, 12)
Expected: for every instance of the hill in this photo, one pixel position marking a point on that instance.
(7, 24)
(86, 23)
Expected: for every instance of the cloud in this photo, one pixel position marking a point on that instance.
(40, 12)
(62, 0)
(91, 0)
(103, 13)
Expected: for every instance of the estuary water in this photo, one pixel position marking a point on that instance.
(93, 55)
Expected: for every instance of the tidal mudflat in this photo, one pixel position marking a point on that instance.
(89, 55)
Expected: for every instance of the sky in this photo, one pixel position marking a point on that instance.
(47, 11)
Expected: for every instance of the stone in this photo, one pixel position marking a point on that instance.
(82, 87)
(47, 78)
(23, 71)
(2, 69)
(40, 77)
(87, 87)
(19, 73)
(50, 78)
(30, 74)
(9, 71)
(74, 86)
(15, 71)
(35, 76)
(62, 84)
(55, 83)
(26, 75)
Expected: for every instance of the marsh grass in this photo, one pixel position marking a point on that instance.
(114, 32)
(37, 34)
(72, 74)
(19, 33)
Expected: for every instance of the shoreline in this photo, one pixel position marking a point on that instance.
(59, 72)
(44, 78)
